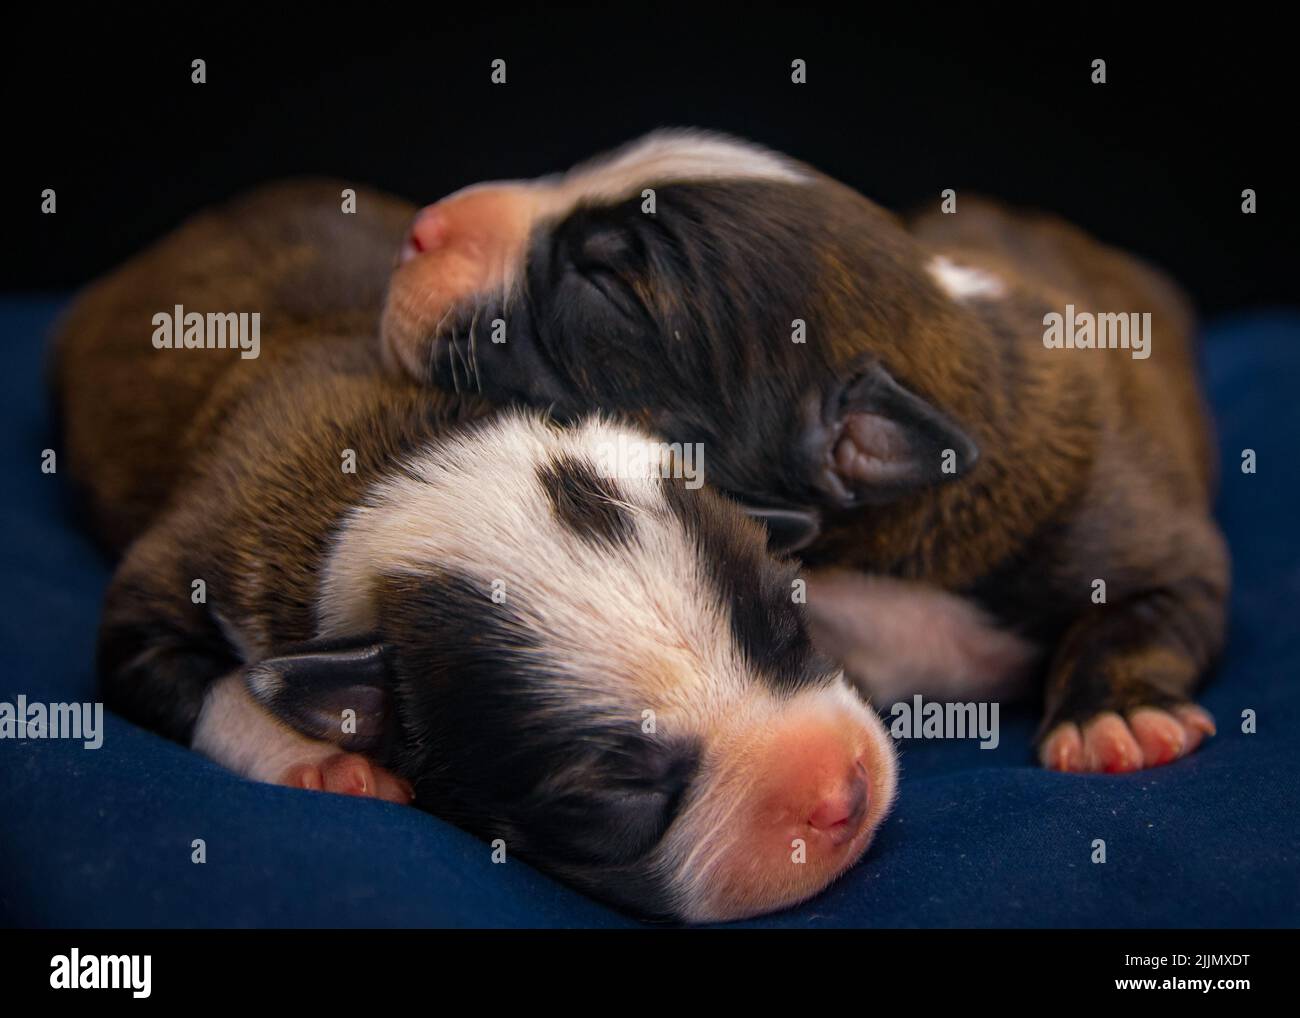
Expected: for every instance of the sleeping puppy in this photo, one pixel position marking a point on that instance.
(901, 398)
(334, 579)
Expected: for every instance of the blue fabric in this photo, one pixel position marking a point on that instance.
(979, 837)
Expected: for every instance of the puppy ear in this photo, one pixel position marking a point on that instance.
(313, 688)
(882, 441)
(787, 529)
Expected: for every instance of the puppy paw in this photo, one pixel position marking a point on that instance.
(1111, 744)
(350, 774)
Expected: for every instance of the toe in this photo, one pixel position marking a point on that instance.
(348, 774)
(1162, 736)
(1062, 750)
(353, 774)
(1197, 722)
(1109, 745)
(392, 788)
(306, 776)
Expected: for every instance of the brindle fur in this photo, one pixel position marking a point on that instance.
(1092, 465)
(185, 457)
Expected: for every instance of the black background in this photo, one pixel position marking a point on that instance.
(103, 110)
(342, 972)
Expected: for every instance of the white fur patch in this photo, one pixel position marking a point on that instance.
(626, 626)
(661, 157)
(636, 627)
(670, 156)
(964, 282)
(244, 737)
(899, 637)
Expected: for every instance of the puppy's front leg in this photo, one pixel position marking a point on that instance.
(170, 663)
(240, 734)
(1119, 691)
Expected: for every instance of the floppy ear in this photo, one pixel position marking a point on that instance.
(312, 687)
(882, 441)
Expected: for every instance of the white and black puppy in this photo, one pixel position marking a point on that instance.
(887, 393)
(332, 578)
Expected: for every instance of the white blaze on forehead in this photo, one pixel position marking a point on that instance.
(964, 282)
(635, 625)
(671, 156)
(661, 157)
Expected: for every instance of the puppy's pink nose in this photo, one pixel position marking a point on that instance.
(457, 250)
(428, 232)
(488, 223)
(839, 815)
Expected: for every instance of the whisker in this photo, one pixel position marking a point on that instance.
(718, 845)
(473, 351)
(453, 355)
(433, 345)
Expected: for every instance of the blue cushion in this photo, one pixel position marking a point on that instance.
(979, 837)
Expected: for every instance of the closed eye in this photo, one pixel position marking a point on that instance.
(612, 287)
(613, 826)
(617, 806)
(606, 257)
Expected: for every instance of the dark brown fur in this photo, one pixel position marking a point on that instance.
(1094, 465)
(198, 464)
(1091, 465)
(134, 416)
